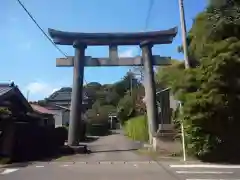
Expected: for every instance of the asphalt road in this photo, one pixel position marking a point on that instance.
(122, 170)
(90, 171)
(114, 157)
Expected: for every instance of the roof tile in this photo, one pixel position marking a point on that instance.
(4, 88)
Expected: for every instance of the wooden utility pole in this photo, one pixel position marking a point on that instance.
(184, 33)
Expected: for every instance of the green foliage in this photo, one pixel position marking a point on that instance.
(210, 92)
(124, 85)
(137, 128)
(131, 105)
(125, 108)
(94, 129)
(211, 114)
(168, 76)
(99, 114)
(4, 112)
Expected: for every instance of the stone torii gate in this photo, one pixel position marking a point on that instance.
(80, 41)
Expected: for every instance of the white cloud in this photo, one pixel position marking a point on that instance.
(40, 90)
(128, 53)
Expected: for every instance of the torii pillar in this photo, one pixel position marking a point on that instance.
(150, 90)
(76, 99)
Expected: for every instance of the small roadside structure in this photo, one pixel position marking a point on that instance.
(45, 114)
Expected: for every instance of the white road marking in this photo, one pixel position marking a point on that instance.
(65, 165)
(203, 172)
(39, 166)
(212, 179)
(135, 165)
(7, 171)
(205, 166)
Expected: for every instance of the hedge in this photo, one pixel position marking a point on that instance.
(100, 129)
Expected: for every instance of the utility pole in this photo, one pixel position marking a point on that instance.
(184, 32)
(131, 84)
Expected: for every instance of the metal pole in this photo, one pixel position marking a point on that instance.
(183, 135)
(184, 36)
(76, 99)
(150, 90)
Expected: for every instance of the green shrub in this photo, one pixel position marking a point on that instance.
(137, 128)
(94, 129)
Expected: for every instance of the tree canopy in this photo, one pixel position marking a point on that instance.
(210, 90)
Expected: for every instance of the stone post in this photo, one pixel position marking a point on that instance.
(76, 98)
(150, 91)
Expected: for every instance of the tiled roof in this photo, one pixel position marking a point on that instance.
(9, 90)
(4, 88)
(64, 94)
(41, 109)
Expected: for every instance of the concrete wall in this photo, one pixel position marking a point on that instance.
(58, 117)
(65, 117)
(173, 103)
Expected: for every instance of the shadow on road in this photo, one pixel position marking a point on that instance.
(17, 165)
(114, 150)
(90, 139)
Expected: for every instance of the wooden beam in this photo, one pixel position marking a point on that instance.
(128, 61)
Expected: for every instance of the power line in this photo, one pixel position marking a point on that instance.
(148, 14)
(151, 3)
(45, 34)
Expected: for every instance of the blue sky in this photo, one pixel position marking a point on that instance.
(28, 58)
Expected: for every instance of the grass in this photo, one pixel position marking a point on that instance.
(137, 128)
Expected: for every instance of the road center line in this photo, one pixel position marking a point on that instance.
(203, 172)
(7, 171)
(205, 166)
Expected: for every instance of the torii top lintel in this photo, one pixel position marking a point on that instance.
(102, 39)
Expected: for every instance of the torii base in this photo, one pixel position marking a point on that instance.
(81, 149)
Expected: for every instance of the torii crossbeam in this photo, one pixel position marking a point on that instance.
(80, 41)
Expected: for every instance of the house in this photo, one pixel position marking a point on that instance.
(17, 117)
(60, 101)
(46, 115)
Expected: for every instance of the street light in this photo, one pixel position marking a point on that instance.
(184, 37)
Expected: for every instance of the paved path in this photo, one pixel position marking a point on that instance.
(115, 147)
